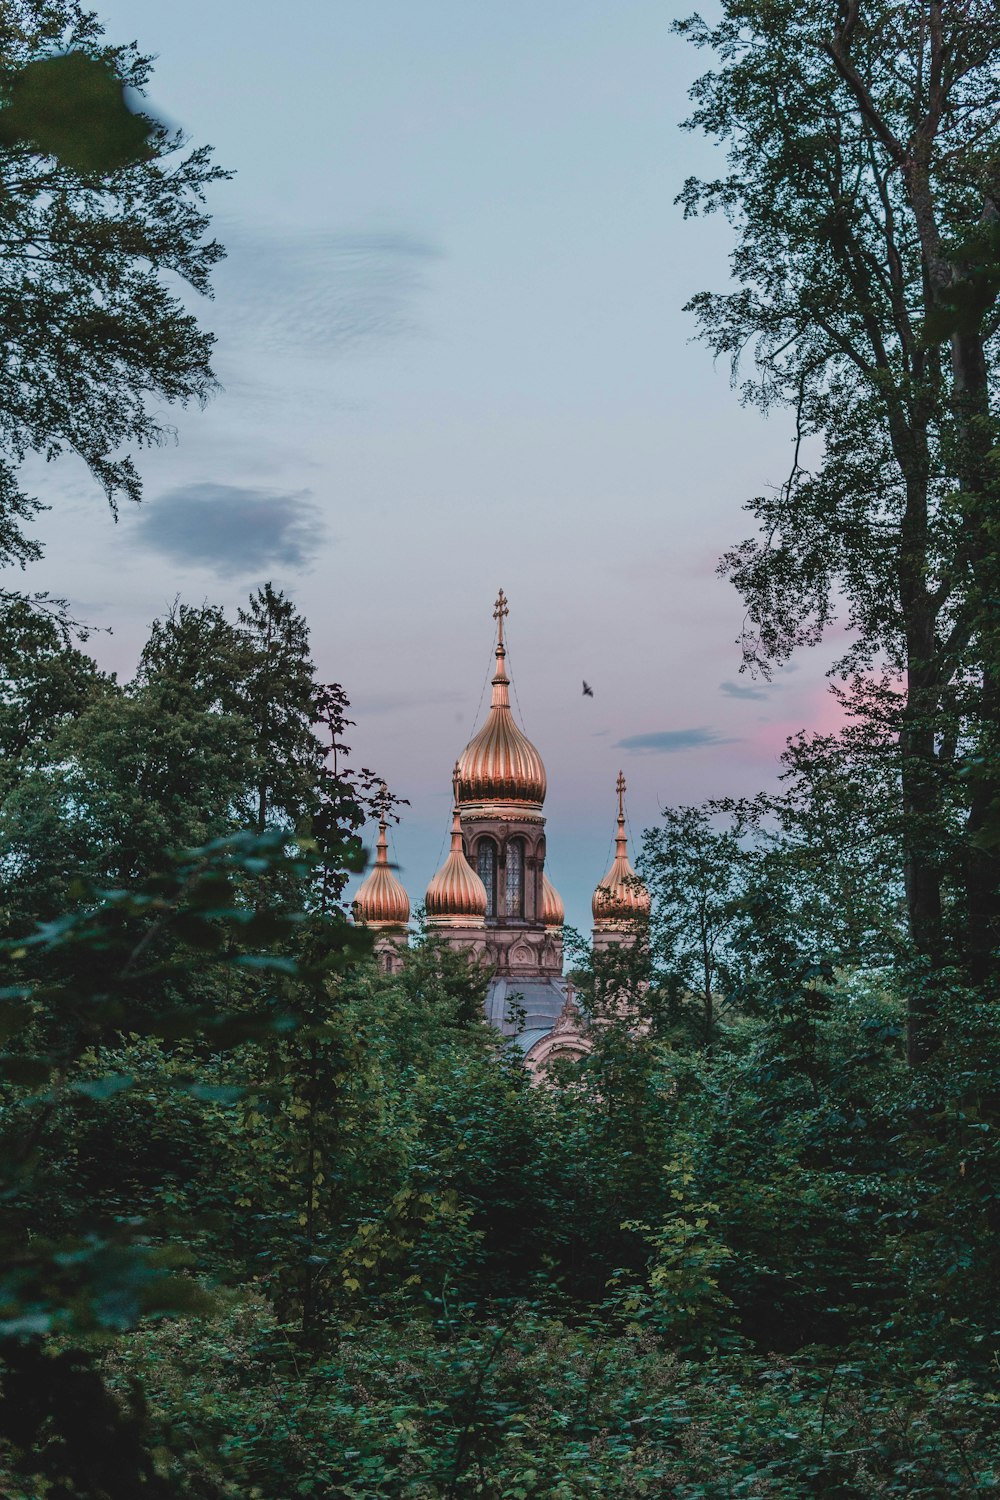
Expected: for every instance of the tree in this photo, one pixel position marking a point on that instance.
(278, 696)
(696, 866)
(199, 650)
(154, 963)
(342, 799)
(828, 844)
(215, 733)
(45, 682)
(95, 341)
(750, 892)
(106, 780)
(864, 154)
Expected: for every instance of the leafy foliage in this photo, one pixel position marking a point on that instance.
(863, 150)
(281, 1222)
(102, 207)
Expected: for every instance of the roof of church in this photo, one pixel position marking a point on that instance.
(500, 764)
(541, 1000)
(553, 911)
(527, 1039)
(381, 900)
(456, 896)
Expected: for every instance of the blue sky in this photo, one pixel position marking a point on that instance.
(454, 357)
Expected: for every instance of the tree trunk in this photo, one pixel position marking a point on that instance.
(922, 882)
(982, 861)
(919, 768)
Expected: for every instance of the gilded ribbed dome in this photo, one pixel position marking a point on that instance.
(456, 897)
(500, 764)
(621, 895)
(381, 900)
(553, 911)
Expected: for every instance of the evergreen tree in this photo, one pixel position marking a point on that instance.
(277, 693)
(201, 652)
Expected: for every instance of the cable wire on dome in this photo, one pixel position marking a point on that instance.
(482, 694)
(520, 711)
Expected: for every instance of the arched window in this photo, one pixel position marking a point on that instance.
(486, 863)
(515, 878)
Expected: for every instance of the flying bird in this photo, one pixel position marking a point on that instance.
(588, 691)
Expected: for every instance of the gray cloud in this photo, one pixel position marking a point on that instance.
(738, 690)
(322, 293)
(233, 529)
(666, 741)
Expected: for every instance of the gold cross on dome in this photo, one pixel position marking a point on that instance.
(620, 788)
(499, 611)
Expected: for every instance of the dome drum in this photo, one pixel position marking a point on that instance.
(502, 812)
(509, 858)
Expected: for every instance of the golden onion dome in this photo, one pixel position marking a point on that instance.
(553, 911)
(381, 900)
(456, 897)
(500, 764)
(621, 895)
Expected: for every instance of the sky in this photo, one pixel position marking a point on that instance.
(453, 356)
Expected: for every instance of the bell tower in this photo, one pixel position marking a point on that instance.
(500, 790)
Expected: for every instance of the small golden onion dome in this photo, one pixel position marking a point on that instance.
(500, 764)
(621, 895)
(381, 900)
(456, 897)
(553, 911)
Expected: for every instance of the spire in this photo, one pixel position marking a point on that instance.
(381, 900)
(501, 682)
(456, 823)
(500, 764)
(500, 611)
(381, 843)
(621, 895)
(621, 841)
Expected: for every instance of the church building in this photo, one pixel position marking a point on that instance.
(492, 899)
